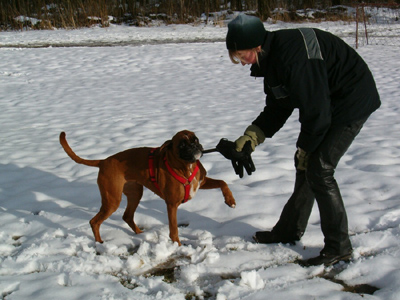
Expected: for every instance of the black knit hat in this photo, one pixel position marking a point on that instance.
(245, 32)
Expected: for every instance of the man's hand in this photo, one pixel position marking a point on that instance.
(301, 159)
(252, 134)
(240, 159)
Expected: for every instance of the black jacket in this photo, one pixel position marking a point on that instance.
(317, 73)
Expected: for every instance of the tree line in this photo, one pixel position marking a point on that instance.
(46, 14)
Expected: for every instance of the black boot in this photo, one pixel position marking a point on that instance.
(271, 237)
(326, 259)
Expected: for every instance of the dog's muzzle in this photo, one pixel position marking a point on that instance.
(191, 152)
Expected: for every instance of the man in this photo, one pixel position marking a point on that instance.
(333, 89)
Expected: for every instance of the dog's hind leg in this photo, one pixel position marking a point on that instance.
(134, 193)
(111, 193)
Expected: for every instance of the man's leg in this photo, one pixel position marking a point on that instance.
(320, 176)
(294, 217)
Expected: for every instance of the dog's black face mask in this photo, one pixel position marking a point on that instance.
(190, 149)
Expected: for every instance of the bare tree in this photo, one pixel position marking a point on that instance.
(236, 5)
(264, 8)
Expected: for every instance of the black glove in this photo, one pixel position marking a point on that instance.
(239, 160)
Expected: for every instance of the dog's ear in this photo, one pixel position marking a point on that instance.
(166, 146)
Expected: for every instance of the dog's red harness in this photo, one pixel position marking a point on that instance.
(183, 180)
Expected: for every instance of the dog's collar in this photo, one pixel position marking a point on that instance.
(183, 180)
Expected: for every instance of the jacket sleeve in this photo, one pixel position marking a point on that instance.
(273, 117)
(309, 89)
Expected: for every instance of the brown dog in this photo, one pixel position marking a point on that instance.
(172, 171)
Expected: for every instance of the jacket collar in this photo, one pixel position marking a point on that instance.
(257, 70)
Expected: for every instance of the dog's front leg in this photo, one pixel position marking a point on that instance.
(210, 183)
(173, 222)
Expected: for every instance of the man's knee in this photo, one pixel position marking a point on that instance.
(319, 172)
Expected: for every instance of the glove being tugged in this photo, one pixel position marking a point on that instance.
(240, 159)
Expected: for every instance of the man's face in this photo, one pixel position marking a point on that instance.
(247, 57)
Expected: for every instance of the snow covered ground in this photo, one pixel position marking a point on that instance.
(149, 85)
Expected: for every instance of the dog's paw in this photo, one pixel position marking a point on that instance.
(231, 204)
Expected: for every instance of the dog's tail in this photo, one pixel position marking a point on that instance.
(76, 158)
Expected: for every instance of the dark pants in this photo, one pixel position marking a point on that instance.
(318, 182)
